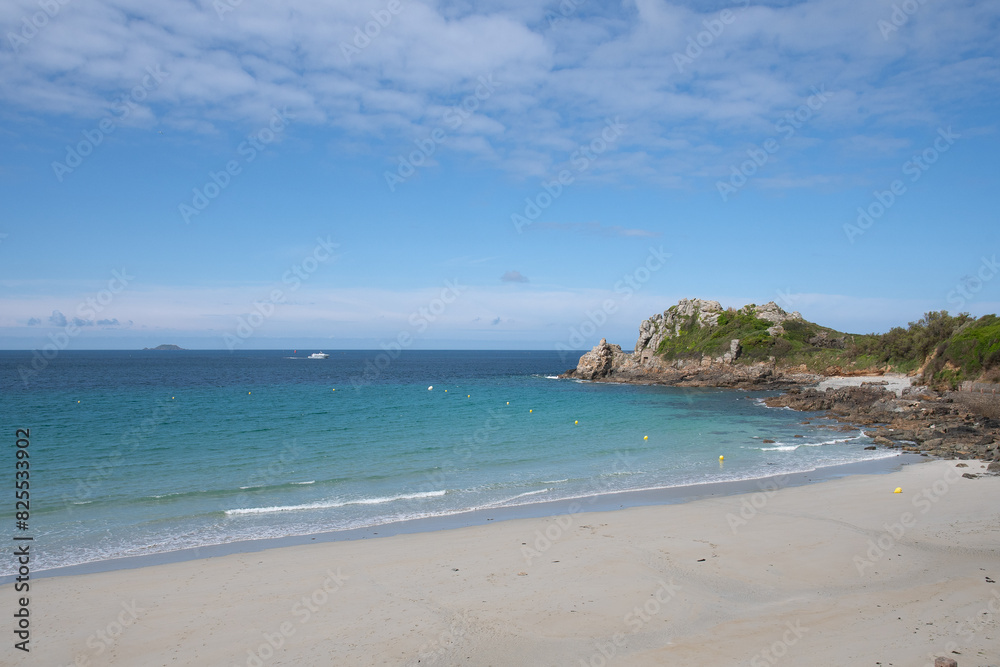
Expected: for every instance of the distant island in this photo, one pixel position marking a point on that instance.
(164, 347)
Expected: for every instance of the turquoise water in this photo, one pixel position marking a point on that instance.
(146, 452)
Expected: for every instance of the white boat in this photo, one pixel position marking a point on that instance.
(319, 355)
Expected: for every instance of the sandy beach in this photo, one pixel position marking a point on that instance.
(894, 382)
(834, 573)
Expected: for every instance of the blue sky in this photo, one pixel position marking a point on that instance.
(497, 174)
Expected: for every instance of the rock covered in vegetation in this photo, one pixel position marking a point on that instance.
(668, 323)
(696, 343)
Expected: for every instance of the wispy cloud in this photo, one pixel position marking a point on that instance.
(601, 62)
(597, 229)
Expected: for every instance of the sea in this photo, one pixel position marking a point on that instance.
(148, 452)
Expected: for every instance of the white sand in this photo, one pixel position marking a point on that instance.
(629, 584)
(895, 382)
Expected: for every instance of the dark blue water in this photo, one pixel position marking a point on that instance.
(144, 452)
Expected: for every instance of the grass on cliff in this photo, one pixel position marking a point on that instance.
(971, 353)
(756, 344)
(695, 341)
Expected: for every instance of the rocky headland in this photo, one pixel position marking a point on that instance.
(697, 343)
(647, 364)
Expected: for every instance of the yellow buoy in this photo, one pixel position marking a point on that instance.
(248, 393)
(333, 390)
(446, 391)
(576, 421)
(898, 490)
(721, 457)
(430, 387)
(171, 398)
(508, 402)
(469, 396)
(78, 401)
(645, 437)
(530, 410)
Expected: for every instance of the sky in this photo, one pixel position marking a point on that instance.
(504, 174)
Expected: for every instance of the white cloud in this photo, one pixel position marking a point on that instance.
(558, 85)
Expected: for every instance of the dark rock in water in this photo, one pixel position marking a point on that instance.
(970, 475)
(768, 442)
(599, 362)
(945, 662)
(869, 447)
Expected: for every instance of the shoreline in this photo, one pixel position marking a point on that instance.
(844, 569)
(598, 502)
(900, 415)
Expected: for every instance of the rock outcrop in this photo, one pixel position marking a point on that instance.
(609, 363)
(668, 323)
(701, 313)
(600, 361)
(771, 312)
(919, 420)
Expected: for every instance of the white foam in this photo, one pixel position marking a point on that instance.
(528, 493)
(309, 482)
(512, 498)
(333, 504)
(784, 447)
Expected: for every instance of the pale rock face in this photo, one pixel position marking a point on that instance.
(706, 313)
(599, 361)
(668, 323)
(771, 312)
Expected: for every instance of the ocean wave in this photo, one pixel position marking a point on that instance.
(760, 402)
(333, 504)
(553, 481)
(302, 483)
(784, 447)
(499, 503)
